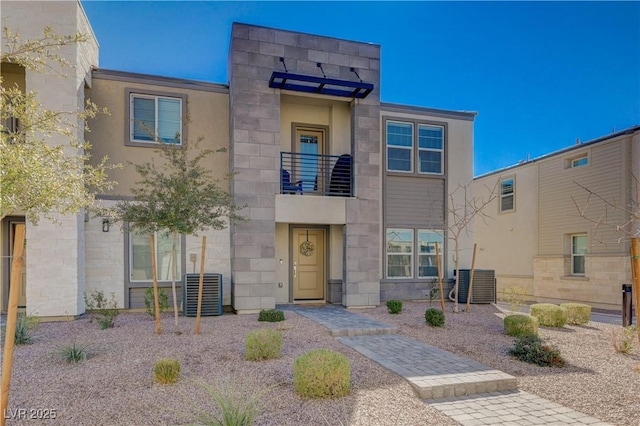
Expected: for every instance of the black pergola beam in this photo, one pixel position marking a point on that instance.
(343, 88)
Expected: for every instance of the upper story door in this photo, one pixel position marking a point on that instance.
(310, 145)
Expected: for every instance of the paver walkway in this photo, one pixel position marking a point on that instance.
(463, 389)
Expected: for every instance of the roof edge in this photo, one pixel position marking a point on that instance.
(182, 83)
(628, 131)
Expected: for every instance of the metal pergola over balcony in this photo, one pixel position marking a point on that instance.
(320, 85)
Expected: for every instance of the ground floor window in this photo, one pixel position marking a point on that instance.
(578, 252)
(140, 257)
(427, 262)
(401, 245)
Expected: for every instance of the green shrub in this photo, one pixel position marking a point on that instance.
(434, 317)
(149, 302)
(271, 315)
(531, 349)
(236, 407)
(622, 339)
(549, 315)
(166, 370)
(434, 291)
(26, 326)
(74, 353)
(263, 343)
(577, 313)
(520, 325)
(102, 310)
(515, 296)
(394, 306)
(321, 373)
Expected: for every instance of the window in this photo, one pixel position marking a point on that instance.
(427, 262)
(577, 162)
(399, 253)
(582, 160)
(578, 251)
(140, 257)
(400, 249)
(399, 146)
(155, 117)
(11, 128)
(430, 148)
(507, 195)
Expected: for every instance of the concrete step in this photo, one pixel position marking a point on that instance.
(431, 371)
(509, 408)
(342, 322)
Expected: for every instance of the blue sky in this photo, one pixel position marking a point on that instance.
(539, 74)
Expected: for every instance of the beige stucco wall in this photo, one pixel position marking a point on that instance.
(208, 117)
(55, 249)
(309, 110)
(508, 241)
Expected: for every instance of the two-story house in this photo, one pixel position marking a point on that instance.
(345, 195)
(548, 235)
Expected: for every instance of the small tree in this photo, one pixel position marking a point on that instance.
(37, 177)
(178, 196)
(463, 209)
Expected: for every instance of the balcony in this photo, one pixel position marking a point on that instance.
(316, 174)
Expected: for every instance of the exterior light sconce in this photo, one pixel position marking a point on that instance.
(105, 225)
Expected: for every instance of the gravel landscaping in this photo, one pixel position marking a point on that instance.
(115, 386)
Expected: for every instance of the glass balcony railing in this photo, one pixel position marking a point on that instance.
(316, 174)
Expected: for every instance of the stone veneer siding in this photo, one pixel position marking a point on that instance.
(255, 152)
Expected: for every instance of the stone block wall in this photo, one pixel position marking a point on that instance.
(55, 250)
(255, 149)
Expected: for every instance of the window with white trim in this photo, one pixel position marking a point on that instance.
(140, 257)
(399, 146)
(507, 195)
(430, 148)
(582, 161)
(427, 259)
(155, 118)
(402, 243)
(572, 163)
(414, 146)
(578, 252)
(399, 253)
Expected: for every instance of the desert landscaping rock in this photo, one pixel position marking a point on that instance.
(116, 387)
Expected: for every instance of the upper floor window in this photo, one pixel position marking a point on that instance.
(578, 252)
(399, 146)
(582, 160)
(401, 140)
(430, 148)
(507, 195)
(155, 118)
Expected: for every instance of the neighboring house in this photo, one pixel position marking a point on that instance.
(537, 239)
(345, 195)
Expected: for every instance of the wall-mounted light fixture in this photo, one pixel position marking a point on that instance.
(105, 225)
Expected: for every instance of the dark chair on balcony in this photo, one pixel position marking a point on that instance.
(340, 183)
(287, 186)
